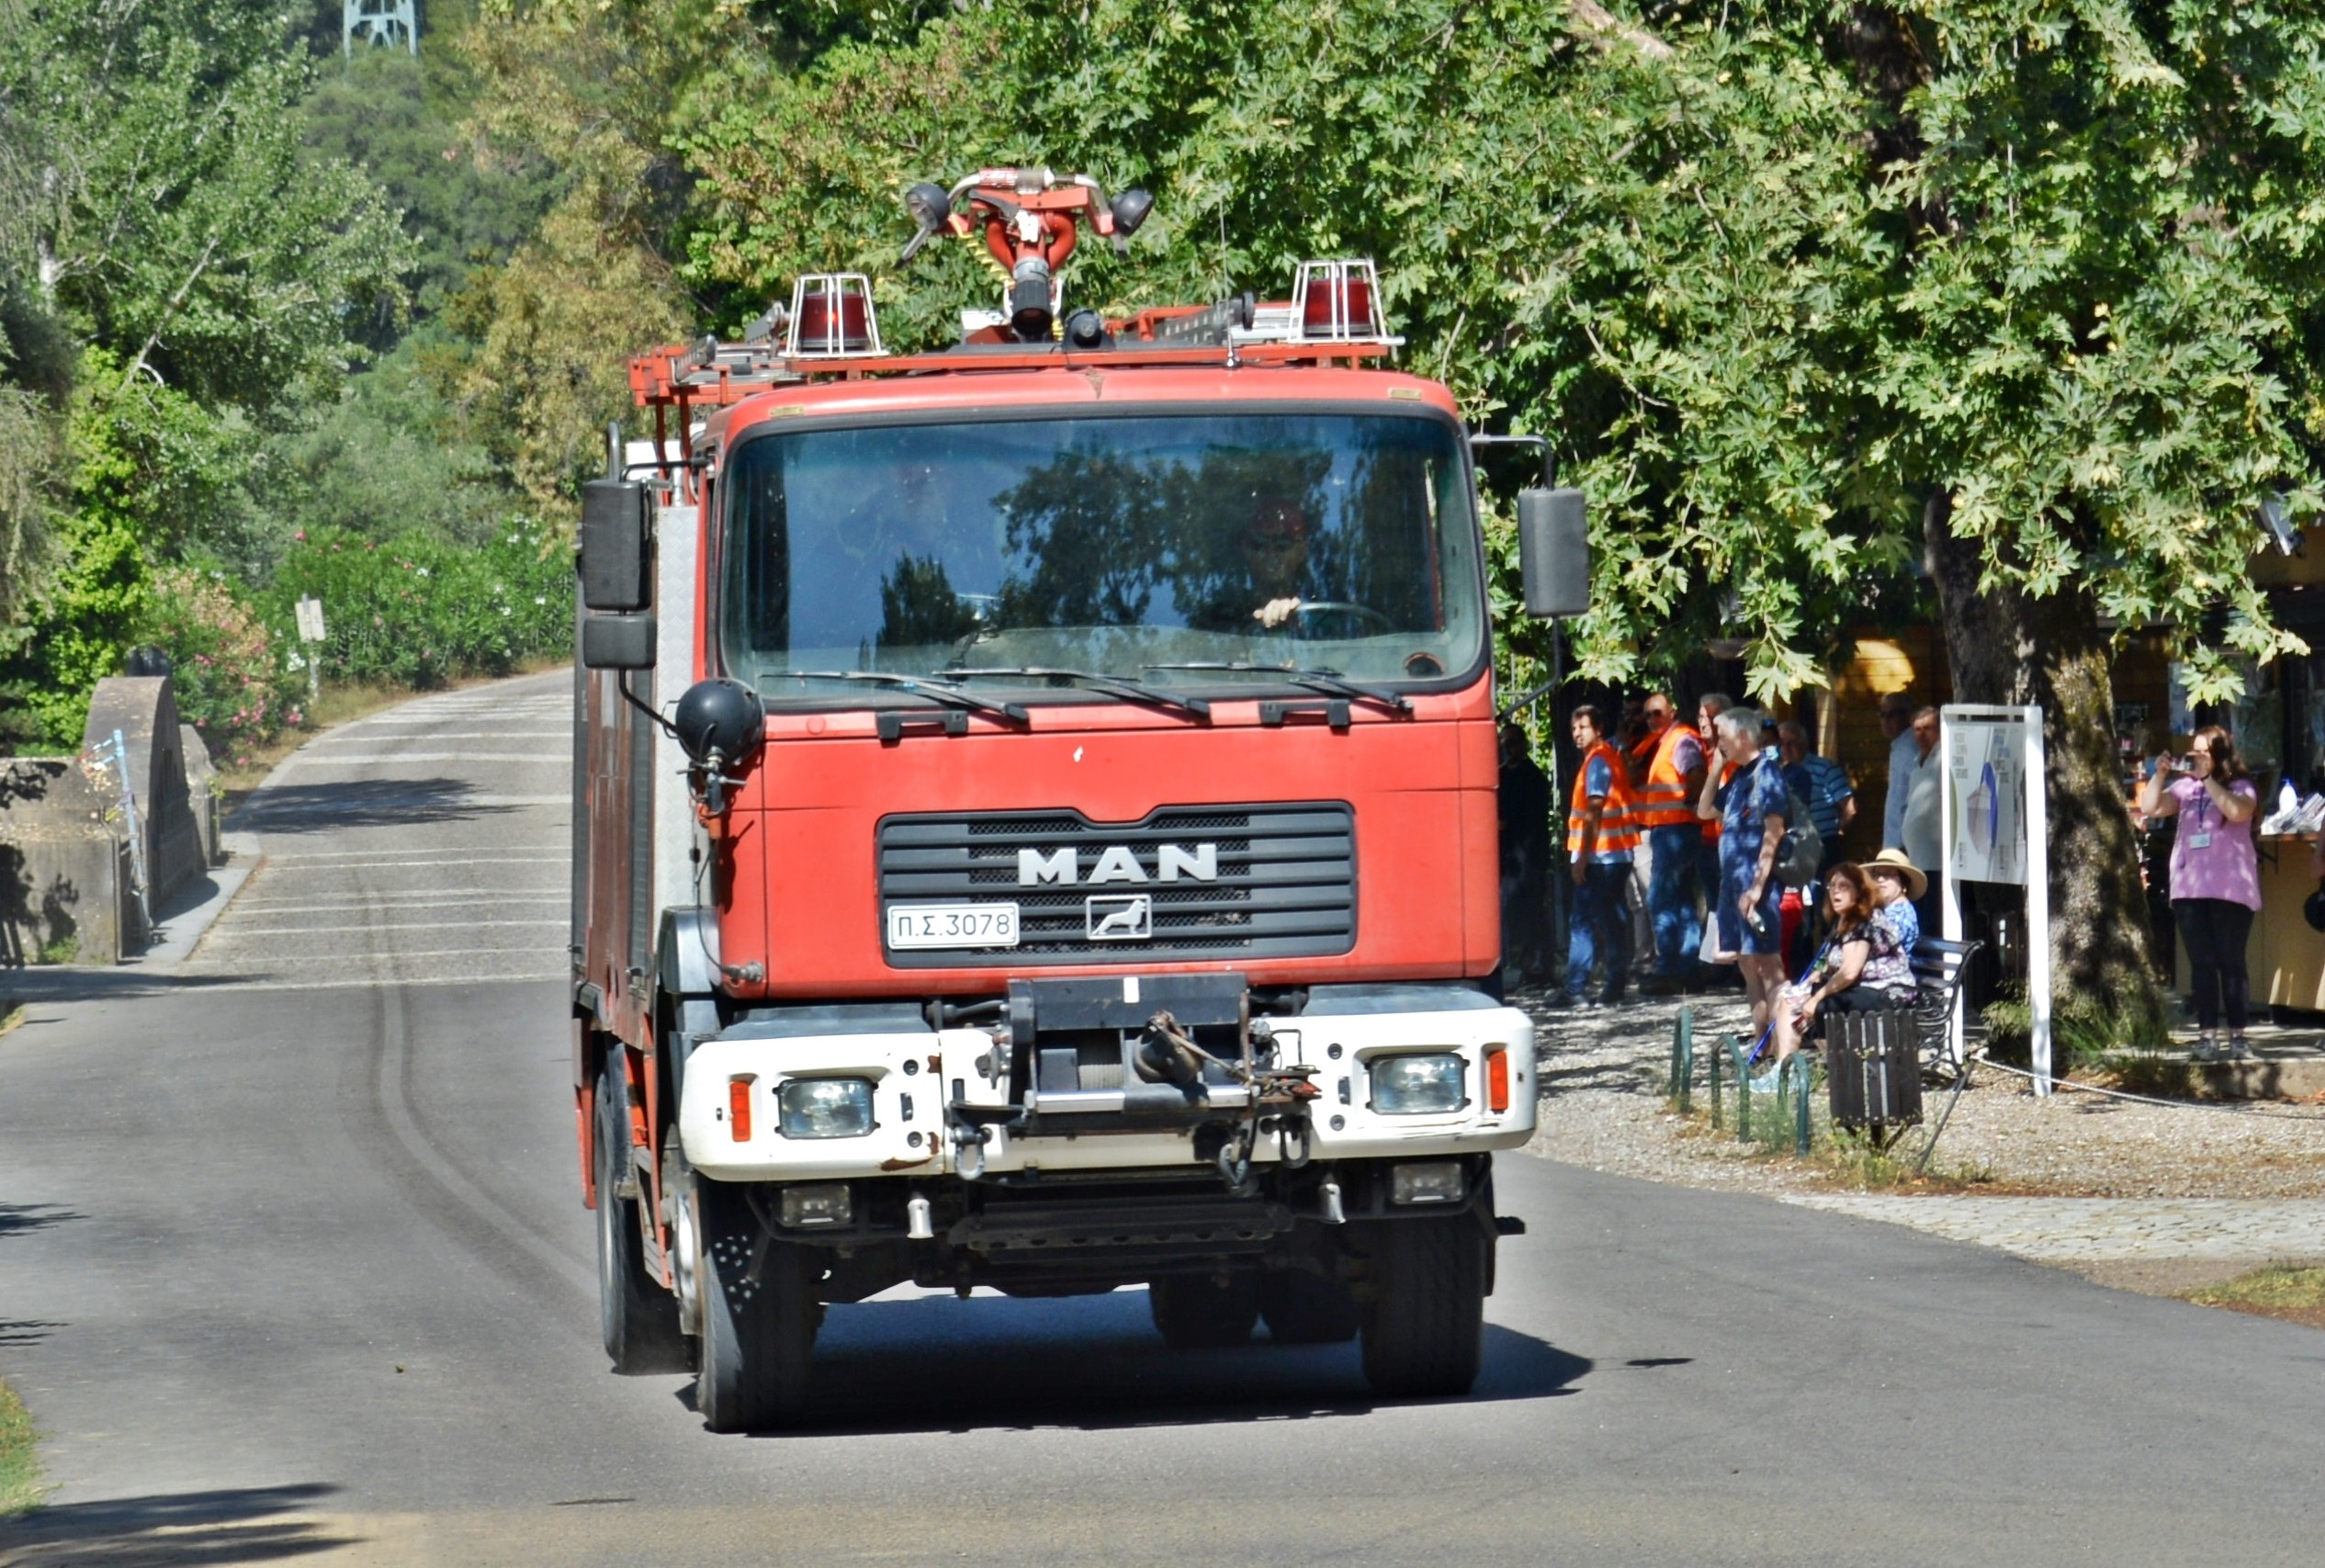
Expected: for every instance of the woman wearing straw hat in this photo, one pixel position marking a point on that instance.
(1895, 929)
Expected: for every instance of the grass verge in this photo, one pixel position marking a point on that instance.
(2276, 1289)
(20, 1485)
(1835, 1157)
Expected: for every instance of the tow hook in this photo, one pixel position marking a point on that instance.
(968, 1156)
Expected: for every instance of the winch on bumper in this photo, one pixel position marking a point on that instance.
(1129, 1072)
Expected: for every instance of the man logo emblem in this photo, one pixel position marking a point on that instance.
(1120, 917)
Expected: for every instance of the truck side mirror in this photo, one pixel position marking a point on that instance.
(617, 642)
(617, 528)
(1553, 552)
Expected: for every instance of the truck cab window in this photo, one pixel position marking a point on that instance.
(1111, 545)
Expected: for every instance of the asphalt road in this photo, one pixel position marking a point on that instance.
(293, 1266)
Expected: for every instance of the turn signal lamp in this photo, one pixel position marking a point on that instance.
(739, 1109)
(1497, 1078)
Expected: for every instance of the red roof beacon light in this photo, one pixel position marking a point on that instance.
(832, 317)
(1340, 300)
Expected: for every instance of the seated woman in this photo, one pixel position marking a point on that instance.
(1867, 963)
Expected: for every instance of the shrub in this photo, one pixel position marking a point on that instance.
(232, 674)
(417, 610)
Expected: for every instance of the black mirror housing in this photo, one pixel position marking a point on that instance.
(616, 531)
(617, 642)
(1553, 552)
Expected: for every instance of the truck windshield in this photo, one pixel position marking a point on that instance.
(1117, 546)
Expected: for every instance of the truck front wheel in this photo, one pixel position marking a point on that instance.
(1195, 1312)
(1424, 1328)
(640, 1318)
(759, 1317)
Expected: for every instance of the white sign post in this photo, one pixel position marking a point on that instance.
(310, 632)
(1997, 828)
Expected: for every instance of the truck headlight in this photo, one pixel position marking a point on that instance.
(824, 1107)
(1417, 1085)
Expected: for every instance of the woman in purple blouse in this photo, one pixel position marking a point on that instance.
(2216, 877)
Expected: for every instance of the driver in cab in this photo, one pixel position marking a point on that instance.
(1275, 550)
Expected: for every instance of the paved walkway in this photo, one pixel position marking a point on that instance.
(2104, 1229)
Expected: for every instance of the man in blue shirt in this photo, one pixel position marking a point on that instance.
(1825, 788)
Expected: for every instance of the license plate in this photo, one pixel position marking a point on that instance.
(951, 925)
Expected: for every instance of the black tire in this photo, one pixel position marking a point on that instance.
(757, 1335)
(1196, 1312)
(1307, 1309)
(638, 1317)
(1424, 1332)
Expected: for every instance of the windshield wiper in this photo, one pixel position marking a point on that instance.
(1313, 680)
(1121, 686)
(936, 688)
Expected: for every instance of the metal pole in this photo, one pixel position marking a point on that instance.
(1801, 1106)
(137, 836)
(1949, 901)
(2038, 901)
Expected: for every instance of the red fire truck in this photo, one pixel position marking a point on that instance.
(1036, 823)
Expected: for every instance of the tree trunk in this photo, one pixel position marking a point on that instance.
(2007, 648)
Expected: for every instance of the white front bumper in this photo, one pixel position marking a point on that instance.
(914, 1075)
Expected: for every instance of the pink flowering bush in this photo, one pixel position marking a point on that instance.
(233, 676)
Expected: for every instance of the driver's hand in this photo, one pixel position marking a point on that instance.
(1275, 611)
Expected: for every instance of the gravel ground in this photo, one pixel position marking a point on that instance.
(1603, 1073)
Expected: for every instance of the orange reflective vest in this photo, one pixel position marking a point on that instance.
(1663, 800)
(1618, 830)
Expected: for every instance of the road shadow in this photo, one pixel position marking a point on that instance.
(19, 1217)
(183, 1530)
(75, 983)
(935, 1364)
(28, 1331)
(366, 803)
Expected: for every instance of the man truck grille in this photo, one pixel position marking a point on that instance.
(1275, 880)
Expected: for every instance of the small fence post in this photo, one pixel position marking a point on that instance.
(1801, 1110)
(1683, 1050)
(1713, 1063)
(1742, 1088)
(1783, 1106)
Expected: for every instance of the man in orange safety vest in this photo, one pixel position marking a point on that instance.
(1668, 767)
(1601, 837)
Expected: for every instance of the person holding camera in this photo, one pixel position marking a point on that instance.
(2216, 878)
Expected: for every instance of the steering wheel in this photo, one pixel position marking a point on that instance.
(1364, 614)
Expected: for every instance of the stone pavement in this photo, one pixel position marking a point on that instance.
(2072, 1231)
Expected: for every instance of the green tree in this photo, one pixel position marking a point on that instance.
(1806, 293)
(175, 227)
